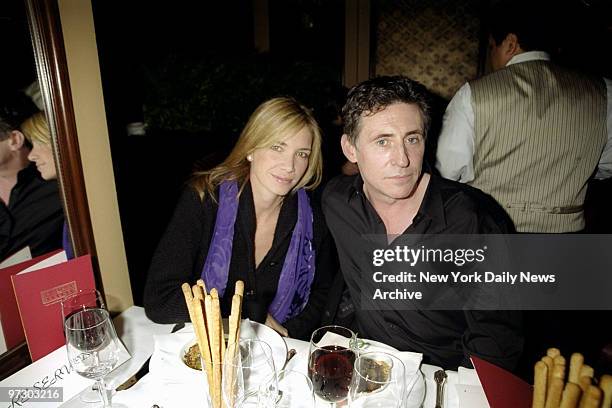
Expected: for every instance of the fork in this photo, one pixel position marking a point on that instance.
(440, 379)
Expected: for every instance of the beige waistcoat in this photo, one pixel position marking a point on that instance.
(539, 133)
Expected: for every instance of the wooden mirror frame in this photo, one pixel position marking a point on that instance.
(52, 69)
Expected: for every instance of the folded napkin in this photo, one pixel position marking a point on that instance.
(166, 361)
(470, 393)
(151, 390)
(170, 383)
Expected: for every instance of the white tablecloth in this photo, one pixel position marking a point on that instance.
(180, 392)
(138, 333)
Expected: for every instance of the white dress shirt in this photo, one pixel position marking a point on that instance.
(454, 157)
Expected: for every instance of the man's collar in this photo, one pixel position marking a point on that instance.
(432, 206)
(356, 187)
(27, 173)
(529, 56)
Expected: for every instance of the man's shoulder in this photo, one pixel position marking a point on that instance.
(340, 187)
(462, 200)
(455, 192)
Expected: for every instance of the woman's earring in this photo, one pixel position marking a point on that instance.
(250, 158)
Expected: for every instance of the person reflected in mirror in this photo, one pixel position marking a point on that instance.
(31, 212)
(36, 130)
(251, 219)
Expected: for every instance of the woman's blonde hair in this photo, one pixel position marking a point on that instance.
(277, 117)
(36, 129)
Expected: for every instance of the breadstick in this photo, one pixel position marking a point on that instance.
(559, 372)
(553, 398)
(199, 327)
(549, 363)
(591, 398)
(587, 371)
(188, 298)
(232, 340)
(213, 321)
(239, 289)
(540, 376)
(200, 283)
(584, 383)
(197, 292)
(553, 352)
(576, 362)
(571, 396)
(234, 322)
(605, 382)
(559, 360)
(215, 297)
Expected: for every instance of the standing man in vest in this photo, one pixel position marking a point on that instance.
(531, 133)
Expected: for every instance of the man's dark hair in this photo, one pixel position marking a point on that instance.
(374, 95)
(531, 22)
(15, 107)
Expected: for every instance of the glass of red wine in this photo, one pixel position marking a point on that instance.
(333, 350)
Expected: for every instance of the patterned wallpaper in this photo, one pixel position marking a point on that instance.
(432, 41)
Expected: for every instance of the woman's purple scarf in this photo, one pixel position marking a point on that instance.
(66, 242)
(298, 270)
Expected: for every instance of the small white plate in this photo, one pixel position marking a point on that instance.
(253, 330)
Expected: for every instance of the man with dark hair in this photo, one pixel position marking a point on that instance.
(386, 121)
(531, 133)
(31, 212)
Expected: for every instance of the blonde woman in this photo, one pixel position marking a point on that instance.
(251, 219)
(36, 130)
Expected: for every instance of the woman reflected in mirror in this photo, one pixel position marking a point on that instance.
(31, 212)
(252, 219)
(36, 130)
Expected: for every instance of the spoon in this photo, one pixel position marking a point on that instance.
(440, 379)
(290, 354)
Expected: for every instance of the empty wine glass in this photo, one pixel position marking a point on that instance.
(249, 376)
(92, 346)
(82, 300)
(294, 390)
(378, 381)
(330, 362)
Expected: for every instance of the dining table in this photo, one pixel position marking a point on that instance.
(148, 380)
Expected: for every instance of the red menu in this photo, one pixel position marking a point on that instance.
(502, 388)
(11, 324)
(39, 291)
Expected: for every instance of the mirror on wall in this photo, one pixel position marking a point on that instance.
(43, 206)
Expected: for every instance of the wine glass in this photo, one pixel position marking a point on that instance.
(378, 381)
(330, 363)
(92, 346)
(82, 300)
(294, 390)
(249, 376)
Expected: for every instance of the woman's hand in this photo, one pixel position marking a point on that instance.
(273, 324)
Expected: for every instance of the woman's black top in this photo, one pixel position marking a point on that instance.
(183, 248)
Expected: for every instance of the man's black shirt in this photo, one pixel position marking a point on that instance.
(34, 215)
(445, 337)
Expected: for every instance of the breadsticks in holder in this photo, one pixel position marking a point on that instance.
(205, 315)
